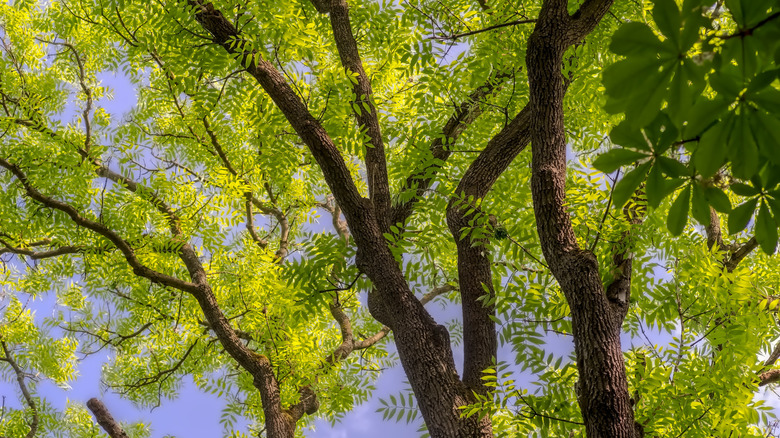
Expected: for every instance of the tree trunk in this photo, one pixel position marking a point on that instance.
(596, 318)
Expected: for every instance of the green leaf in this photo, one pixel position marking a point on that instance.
(612, 160)
(690, 33)
(711, 151)
(718, 199)
(743, 189)
(680, 96)
(678, 213)
(742, 149)
(623, 134)
(774, 202)
(673, 167)
(700, 208)
(726, 84)
(655, 187)
(625, 78)
(702, 114)
(766, 130)
(740, 216)
(766, 230)
(768, 99)
(635, 39)
(627, 185)
(645, 103)
(667, 17)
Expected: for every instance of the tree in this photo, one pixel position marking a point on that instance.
(177, 236)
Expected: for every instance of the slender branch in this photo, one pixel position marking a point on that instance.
(768, 377)
(773, 356)
(349, 344)
(364, 109)
(250, 226)
(103, 171)
(312, 133)
(749, 31)
(455, 36)
(87, 91)
(38, 255)
(100, 229)
(23, 387)
(422, 177)
(252, 200)
(741, 253)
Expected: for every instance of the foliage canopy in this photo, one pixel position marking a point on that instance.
(256, 196)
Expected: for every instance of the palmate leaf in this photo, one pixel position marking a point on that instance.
(659, 187)
(742, 189)
(624, 135)
(766, 229)
(711, 151)
(700, 207)
(666, 15)
(627, 185)
(612, 160)
(740, 216)
(718, 199)
(678, 213)
(636, 39)
(702, 114)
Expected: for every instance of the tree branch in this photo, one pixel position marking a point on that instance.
(474, 271)
(768, 377)
(23, 387)
(105, 420)
(251, 200)
(364, 109)
(326, 154)
(100, 229)
(348, 342)
(740, 253)
(422, 177)
(455, 36)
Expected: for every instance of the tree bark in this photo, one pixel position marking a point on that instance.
(474, 272)
(423, 346)
(105, 420)
(596, 318)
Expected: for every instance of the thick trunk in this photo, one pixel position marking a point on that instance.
(423, 346)
(596, 318)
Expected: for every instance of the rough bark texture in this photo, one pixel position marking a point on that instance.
(596, 319)
(365, 111)
(105, 420)
(474, 274)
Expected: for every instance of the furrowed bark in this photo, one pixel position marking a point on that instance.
(105, 419)
(596, 320)
(423, 346)
(474, 275)
(365, 111)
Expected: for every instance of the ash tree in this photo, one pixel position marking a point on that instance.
(276, 190)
